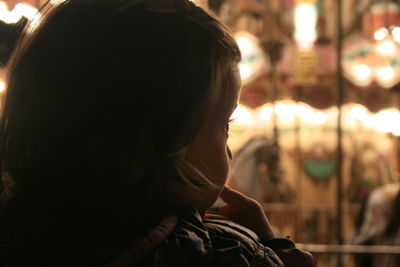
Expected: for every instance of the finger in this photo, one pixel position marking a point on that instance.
(214, 217)
(232, 197)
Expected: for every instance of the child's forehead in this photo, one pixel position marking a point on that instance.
(234, 82)
(231, 90)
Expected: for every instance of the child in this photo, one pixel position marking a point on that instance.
(114, 142)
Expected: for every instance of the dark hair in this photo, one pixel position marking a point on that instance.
(102, 100)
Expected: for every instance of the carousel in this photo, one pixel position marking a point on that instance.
(316, 132)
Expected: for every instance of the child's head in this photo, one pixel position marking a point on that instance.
(118, 101)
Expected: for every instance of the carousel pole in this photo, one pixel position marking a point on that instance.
(339, 155)
(272, 46)
(274, 84)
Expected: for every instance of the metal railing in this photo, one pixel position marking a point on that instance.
(350, 249)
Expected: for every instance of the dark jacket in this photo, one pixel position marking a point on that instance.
(194, 242)
(180, 240)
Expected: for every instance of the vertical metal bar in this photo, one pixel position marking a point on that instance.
(385, 17)
(339, 156)
(274, 84)
(271, 46)
(299, 174)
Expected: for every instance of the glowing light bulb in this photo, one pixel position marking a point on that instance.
(386, 74)
(245, 71)
(242, 115)
(371, 122)
(305, 20)
(396, 130)
(20, 10)
(396, 122)
(363, 72)
(385, 120)
(331, 114)
(396, 34)
(319, 117)
(244, 44)
(381, 34)
(305, 113)
(386, 47)
(359, 113)
(280, 109)
(265, 113)
(25, 10)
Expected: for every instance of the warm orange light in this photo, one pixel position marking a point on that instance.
(381, 34)
(386, 47)
(305, 20)
(20, 10)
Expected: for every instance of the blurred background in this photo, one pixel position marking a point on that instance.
(316, 135)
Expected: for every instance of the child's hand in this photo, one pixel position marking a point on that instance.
(245, 211)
